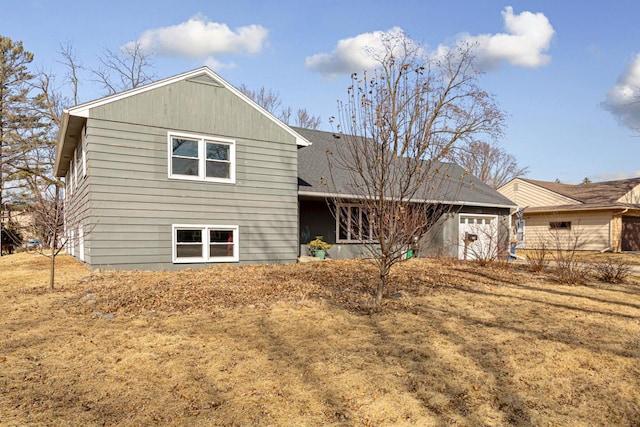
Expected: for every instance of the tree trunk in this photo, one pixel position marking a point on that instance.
(52, 271)
(54, 243)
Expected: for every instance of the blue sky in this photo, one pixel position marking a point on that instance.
(565, 72)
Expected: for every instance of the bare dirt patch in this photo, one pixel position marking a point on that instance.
(301, 345)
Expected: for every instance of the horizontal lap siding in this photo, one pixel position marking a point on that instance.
(134, 203)
(591, 231)
(527, 194)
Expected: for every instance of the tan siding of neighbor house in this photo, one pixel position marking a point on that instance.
(632, 196)
(590, 231)
(134, 203)
(524, 193)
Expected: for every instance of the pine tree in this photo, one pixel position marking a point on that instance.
(15, 113)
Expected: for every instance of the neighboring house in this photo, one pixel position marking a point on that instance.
(476, 208)
(189, 171)
(592, 216)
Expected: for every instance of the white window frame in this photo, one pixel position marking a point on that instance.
(206, 243)
(80, 243)
(349, 239)
(71, 243)
(83, 144)
(77, 160)
(71, 175)
(202, 140)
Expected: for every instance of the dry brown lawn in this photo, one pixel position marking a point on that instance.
(299, 345)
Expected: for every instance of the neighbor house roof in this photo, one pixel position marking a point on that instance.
(314, 175)
(591, 196)
(73, 118)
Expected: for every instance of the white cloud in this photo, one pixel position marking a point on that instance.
(614, 176)
(528, 35)
(201, 38)
(354, 54)
(216, 65)
(623, 100)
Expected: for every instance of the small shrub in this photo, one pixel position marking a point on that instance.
(537, 258)
(612, 271)
(572, 274)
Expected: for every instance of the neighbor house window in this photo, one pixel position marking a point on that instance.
(560, 225)
(353, 224)
(201, 158)
(205, 243)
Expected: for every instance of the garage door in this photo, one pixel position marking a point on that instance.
(630, 233)
(478, 237)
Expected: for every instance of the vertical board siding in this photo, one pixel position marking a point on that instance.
(133, 203)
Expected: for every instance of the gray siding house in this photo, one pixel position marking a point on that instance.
(188, 171)
(182, 171)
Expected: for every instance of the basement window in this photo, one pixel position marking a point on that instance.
(205, 243)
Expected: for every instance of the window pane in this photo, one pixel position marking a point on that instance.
(217, 151)
(343, 218)
(220, 236)
(356, 232)
(218, 170)
(185, 147)
(366, 226)
(185, 166)
(189, 236)
(189, 251)
(221, 250)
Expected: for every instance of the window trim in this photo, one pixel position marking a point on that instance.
(202, 160)
(339, 207)
(83, 145)
(206, 243)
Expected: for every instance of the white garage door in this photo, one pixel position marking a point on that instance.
(478, 237)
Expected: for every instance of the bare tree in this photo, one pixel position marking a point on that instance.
(127, 68)
(491, 163)
(272, 102)
(266, 98)
(306, 120)
(396, 126)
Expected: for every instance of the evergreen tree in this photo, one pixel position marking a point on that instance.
(16, 114)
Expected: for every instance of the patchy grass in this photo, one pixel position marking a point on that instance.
(630, 258)
(301, 345)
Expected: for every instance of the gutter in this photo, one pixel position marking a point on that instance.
(446, 202)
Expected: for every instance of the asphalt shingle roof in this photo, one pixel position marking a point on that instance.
(590, 196)
(598, 193)
(313, 172)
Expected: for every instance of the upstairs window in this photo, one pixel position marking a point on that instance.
(201, 158)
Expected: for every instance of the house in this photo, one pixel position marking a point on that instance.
(189, 171)
(475, 208)
(591, 216)
(182, 171)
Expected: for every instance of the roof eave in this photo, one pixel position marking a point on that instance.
(446, 202)
(60, 144)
